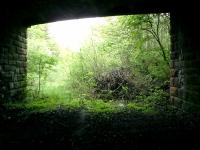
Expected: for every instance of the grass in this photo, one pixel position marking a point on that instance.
(93, 124)
(83, 104)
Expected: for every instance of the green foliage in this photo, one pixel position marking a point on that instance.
(157, 99)
(139, 43)
(135, 46)
(42, 56)
(90, 106)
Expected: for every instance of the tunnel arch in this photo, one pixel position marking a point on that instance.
(17, 16)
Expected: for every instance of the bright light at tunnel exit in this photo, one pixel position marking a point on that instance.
(71, 34)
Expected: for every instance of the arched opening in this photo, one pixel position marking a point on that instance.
(116, 61)
(67, 129)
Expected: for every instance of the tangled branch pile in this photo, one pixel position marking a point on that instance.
(118, 84)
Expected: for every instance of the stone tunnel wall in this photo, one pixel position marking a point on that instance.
(185, 62)
(12, 63)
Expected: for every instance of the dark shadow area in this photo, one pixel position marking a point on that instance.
(77, 129)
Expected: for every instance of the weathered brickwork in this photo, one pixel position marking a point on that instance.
(185, 54)
(185, 60)
(13, 64)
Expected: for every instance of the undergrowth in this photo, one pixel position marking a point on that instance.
(81, 104)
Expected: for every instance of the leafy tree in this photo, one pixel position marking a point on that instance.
(143, 44)
(137, 43)
(42, 56)
(125, 58)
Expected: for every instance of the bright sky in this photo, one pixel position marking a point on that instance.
(71, 34)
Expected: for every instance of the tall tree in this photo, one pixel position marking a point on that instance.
(42, 56)
(138, 43)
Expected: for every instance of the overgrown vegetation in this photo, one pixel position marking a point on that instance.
(112, 94)
(125, 60)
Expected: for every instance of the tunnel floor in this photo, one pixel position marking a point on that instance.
(77, 130)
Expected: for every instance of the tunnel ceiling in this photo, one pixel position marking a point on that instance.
(32, 12)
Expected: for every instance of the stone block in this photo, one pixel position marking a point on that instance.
(173, 91)
(11, 62)
(11, 85)
(174, 72)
